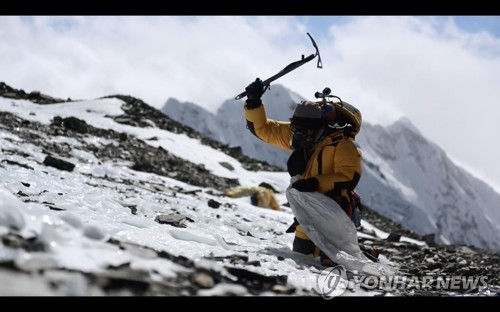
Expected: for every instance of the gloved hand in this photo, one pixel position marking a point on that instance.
(306, 185)
(254, 93)
(255, 89)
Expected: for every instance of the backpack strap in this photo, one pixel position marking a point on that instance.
(335, 140)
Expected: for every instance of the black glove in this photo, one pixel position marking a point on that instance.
(254, 93)
(306, 185)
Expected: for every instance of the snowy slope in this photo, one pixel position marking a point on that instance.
(94, 208)
(92, 230)
(74, 216)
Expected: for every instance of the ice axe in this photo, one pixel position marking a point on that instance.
(289, 68)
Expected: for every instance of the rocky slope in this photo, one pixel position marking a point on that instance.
(43, 278)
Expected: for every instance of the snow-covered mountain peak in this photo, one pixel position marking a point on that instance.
(404, 123)
(411, 180)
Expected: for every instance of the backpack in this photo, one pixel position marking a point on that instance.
(344, 115)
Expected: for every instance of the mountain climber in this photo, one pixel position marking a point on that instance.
(260, 196)
(322, 149)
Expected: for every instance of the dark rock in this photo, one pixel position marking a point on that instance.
(14, 240)
(123, 136)
(430, 239)
(393, 237)
(434, 265)
(52, 207)
(12, 162)
(176, 220)
(213, 204)
(413, 247)
(75, 124)
(21, 194)
(450, 268)
(25, 184)
(34, 96)
(58, 163)
(133, 208)
(234, 151)
(256, 281)
(142, 165)
(226, 165)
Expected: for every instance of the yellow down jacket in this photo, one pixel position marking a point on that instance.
(335, 161)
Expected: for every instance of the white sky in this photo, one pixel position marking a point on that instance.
(76, 238)
(440, 76)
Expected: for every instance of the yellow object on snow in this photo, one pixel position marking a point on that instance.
(265, 197)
